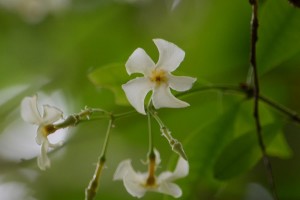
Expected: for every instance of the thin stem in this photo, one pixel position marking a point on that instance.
(290, 113)
(256, 88)
(245, 89)
(73, 120)
(229, 88)
(91, 190)
(125, 114)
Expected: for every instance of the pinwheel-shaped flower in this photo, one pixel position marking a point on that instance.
(157, 77)
(137, 184)
(31, 114)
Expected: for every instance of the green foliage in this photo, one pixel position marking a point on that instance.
(279, 34)
(211, 138)
(111, 77)
(242, 153)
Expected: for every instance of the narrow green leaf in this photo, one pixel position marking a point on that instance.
(111, 77)
(243, 152)
(279, 34)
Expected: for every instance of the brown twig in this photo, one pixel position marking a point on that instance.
(256, 92)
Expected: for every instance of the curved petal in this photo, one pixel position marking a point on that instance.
(181, 83)
(51, 114)
(164, 176)
(157, 157)
(133, 185)
(136, 91)
(132, 180)
(43, 161)
(170, 189)
(181, 170)
(139, 62)
(162, 97)
(29, 110)
(170, 55)
(55, 145)
(123, 168)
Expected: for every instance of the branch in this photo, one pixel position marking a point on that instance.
(290, 113)
(254, 37)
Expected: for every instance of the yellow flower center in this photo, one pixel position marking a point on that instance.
(158, 76)
(48, 129)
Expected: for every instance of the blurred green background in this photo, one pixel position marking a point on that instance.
(60, 50)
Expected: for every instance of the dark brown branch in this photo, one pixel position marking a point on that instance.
(254, 38)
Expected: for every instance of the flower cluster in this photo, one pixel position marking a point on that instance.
(157, 78)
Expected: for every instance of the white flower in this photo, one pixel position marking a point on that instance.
(33, 11)
(137, 184)
(31, 114)
(157, 77)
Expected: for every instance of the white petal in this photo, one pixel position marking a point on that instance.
(162, 97)
(157, 157)
(43, 160)
(181, 170)
(170, 55)
(51, 114)
(122, 169)
(40, 136)
(164, 176)
(181, 83)
(136, 91)
(139, 62)
(29, 110)
(56, 145)
(170, 189)
(133, 185)
(132, 180)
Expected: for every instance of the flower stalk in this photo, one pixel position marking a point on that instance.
(91, 190)
(174, 143)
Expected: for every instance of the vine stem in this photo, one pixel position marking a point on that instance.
(256, 92)
(91, 190)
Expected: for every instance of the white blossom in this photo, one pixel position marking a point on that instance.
(34, 11)
(137, 183)
(157, 77)
(31, 114)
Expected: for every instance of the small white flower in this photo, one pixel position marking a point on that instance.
(31, 114)
(34, 11)
(157, 77)
(137, 184)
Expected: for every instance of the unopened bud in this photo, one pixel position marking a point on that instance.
(177, 148)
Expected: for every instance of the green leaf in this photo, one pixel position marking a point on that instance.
(243, 152)
(279, 147)
(111, 77)
(204, 145)
(279, 34)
